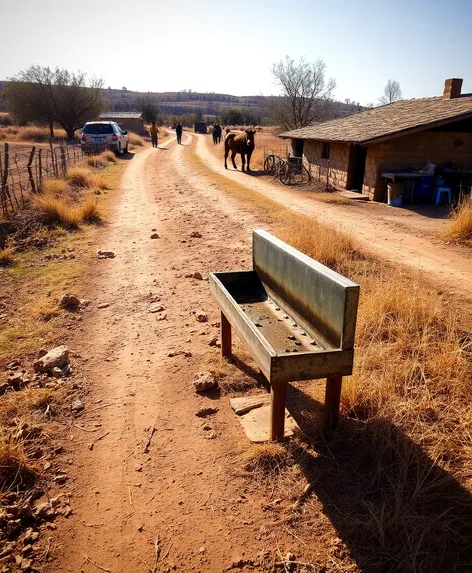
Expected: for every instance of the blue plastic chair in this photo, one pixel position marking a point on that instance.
(438, 191)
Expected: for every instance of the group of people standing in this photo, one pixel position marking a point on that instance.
(154, 131)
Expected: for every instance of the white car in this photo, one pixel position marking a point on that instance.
(104, 134)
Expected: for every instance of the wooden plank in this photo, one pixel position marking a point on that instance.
(247, 403)
(225, 336)
(256, 424)
(332, 401)
(278, 394)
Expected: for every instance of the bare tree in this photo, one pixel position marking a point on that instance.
(306, 93)
(54, 96)
(148, 105)
(392, 92)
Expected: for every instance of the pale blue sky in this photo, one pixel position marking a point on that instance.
(229, 45)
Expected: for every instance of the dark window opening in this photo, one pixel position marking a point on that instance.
(325, 151)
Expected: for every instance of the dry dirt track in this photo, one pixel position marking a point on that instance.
(184, 490)
(398, 235)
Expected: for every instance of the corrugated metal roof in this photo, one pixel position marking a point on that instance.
(121, 115)
(392, 120)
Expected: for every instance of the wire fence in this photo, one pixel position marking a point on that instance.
(22, 173)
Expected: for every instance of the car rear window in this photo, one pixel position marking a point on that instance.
(98, 129)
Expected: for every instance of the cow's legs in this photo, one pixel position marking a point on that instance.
(233, 155)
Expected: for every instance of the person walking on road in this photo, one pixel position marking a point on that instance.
(153, 130)
(178, 131)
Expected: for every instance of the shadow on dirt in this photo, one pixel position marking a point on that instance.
(392, 505)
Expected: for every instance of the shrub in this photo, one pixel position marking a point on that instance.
(459, 225)
(32, 133)
(5, 119)
(79, 176)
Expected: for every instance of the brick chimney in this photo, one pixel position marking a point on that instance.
(452, 88)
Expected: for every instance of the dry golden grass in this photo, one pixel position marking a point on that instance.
(135, 139)
(16, 469)
(56, 187)
(100, 181)
(459, 225)
(109, 156)
(264, 458)
(90, 211)
(79, 176)
(57, 211)
(7, 257)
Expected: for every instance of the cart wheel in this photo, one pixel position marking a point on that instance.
(269, 165)
(285, 175)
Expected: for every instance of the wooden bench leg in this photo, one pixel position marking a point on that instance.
(277, 412)
(225, 336)
(332, 400)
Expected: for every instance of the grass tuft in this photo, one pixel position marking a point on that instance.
(264, 458)
(79, 176)
(89, 211)
(57, 211)
(135, 139)
(16, 470)
(459, 226)
(55, 187)
(7, 257)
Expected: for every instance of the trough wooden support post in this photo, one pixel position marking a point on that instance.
(225, 336)
(332, 401)
(278, 393)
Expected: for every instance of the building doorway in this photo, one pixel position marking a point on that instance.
(356, 169)
(297, 147)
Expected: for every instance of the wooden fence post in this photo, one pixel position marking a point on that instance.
(5, 193)
(30, 171)
(40, 168)
(63, 161)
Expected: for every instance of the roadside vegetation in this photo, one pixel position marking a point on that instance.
(394, 480)
(43, 254)
(459, 225)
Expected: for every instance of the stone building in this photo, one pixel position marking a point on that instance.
(352, 152)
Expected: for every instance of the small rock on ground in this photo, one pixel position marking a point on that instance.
(106, 254)
(69, 301)
(206, 411)
(195, 235)
(57, 357)
(204, 381)
(155, 236)
(201, 316)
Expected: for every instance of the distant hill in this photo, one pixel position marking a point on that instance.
(208, 104)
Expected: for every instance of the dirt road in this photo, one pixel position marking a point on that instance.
(182, 496)
(397, 235)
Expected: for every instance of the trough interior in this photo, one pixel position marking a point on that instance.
(282, 333)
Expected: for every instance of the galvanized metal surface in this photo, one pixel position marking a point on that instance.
(281, 346)
(323, 301)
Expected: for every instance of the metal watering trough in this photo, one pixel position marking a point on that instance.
(297, 319)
